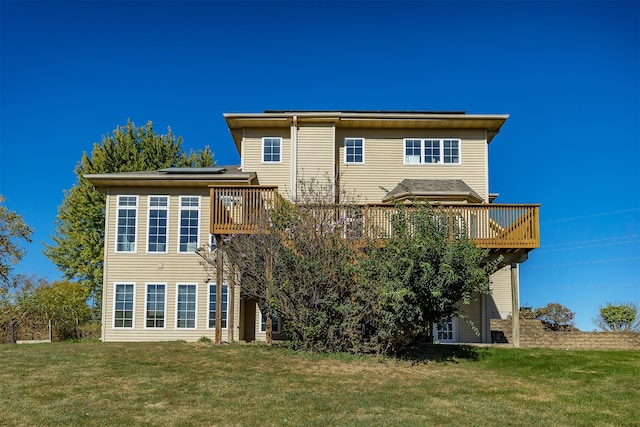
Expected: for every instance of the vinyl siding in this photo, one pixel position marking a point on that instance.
(268, 173)
(473, 312)
(316, 152)
(384, 160)
(500, 305)
(170, 268)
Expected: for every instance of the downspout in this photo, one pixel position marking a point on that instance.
(294, 158)
(242, 150)
(486, 330)
(486, 166)
(104, 266)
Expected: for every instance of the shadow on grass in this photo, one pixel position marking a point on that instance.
(424, 353)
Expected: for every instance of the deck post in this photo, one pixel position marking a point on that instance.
(219, 285)
(232, 312)
(515, 305)
(269, 326)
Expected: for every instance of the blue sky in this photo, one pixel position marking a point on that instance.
(568, 73)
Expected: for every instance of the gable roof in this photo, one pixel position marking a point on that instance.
(438, 189)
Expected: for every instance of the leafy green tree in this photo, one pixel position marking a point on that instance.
(425, 273)
(619, 318)
(63, 303)
(78, 239)
(13, 232)
(13, 296)
(555, 316)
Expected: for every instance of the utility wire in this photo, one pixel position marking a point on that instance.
(588, 246)
(591, 241)
(589, 216)
(601, 261)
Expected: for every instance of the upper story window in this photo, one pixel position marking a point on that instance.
(272, 150)
(189, 224)
(158, 223)
(434, 151)
(127, 223)
(354, 150)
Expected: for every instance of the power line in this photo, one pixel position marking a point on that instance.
(601, 261)
(591, 241)
(540, 285)
(590, 216)
(589, 246)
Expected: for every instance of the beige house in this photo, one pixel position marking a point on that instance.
(154, 285)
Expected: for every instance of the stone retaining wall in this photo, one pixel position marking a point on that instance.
(533, 334)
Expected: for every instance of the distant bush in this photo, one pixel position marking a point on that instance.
(554, 316)
(619, 318)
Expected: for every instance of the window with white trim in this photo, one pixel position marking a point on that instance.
(155, 305)
(189, 224)
(275, 322)
(271, 150)
(212, 305)
(158, 223)
(354, 150)
(127, 224)
(123, 306)
(430, 150)
(445, 331)
(186, 306)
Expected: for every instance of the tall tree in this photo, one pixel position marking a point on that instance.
(78, 239)
(427, 271)
(13, 232)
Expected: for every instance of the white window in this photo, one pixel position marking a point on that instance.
(445, 332)
(186, 306)
(123, 307)
(189, 224)
(158, 223)
(451, 151)
(212, 305)
(431, 151)
(155, 305)
(412, 151)
(354, 150)
(434, 151)
(271, 150)
(127, 224)
(275, 322)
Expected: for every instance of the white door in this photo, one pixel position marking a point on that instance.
(444, 332)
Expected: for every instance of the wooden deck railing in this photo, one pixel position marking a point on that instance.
(240, 209)
(496, 226)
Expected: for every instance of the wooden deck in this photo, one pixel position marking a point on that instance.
(504, 227)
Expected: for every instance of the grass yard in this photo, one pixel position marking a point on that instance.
(178, 383)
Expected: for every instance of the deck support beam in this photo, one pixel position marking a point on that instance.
(515, 305)
(219, 285)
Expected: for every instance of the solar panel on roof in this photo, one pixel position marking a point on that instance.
(208, 171)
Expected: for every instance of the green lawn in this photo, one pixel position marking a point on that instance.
(177, 383)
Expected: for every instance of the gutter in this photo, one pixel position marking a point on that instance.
(294, 158)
